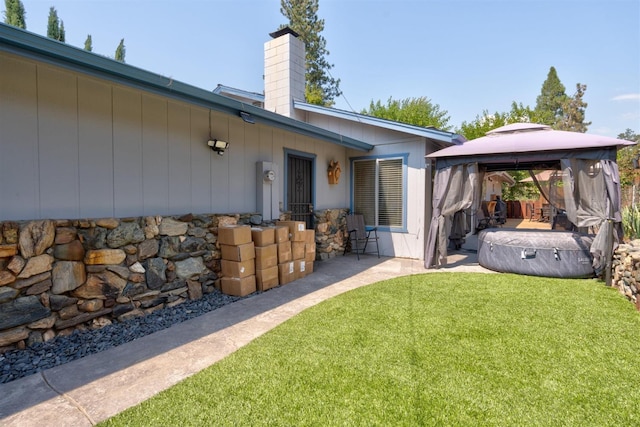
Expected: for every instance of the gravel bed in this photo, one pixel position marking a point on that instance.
(16, 364)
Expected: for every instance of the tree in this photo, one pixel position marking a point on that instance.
(121, 51)
(415, 111)
(14, 14)
(321, 88)
(551, 100)
(573, 112)
(54, 28)
(626, 158)
(88, 43)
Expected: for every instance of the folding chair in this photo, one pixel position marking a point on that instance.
(359, 235)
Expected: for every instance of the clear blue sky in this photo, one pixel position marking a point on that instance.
(466, 56)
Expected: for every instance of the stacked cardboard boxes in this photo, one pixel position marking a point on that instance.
(238, 260)
(266, 249)
(303, 248)
(285, 260)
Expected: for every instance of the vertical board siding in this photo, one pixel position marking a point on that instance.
(127, 152)
(58, 143)
(155, 161)
(95, 149)
(220, 165)
(19, 190)
(179, 151)
(201, 162)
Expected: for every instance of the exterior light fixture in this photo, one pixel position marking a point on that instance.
(218, 146)
(248, 118)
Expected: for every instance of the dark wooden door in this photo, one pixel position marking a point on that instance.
(300, 189)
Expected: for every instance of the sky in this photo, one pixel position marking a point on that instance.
(467, 57)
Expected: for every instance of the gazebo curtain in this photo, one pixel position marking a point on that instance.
(455, 189)
(593, 200)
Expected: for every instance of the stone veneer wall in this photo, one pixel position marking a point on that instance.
(60, 275)
(626, 271)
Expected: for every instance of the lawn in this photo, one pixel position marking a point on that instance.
(432, 349)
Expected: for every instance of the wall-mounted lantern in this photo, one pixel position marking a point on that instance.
(333, 172)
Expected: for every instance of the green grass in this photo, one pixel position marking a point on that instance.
(434, 349)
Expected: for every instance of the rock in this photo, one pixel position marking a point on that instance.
(68, 312)
(84, 317)
(21, 311)
(101, 286)
(105, 256)
(126, 233)
(147, 249)
(13, 335)
(48, 335)
(36, 265)
(65, 235)
(36, 237)
(255, 219)
(156, 273)
(7, 251)
(108, 223)
(17, 264)
(100, 322)
(95, 238)
(137, 268)
(69, 252)
(6, 277)
(171, 227)
(57, 302)
(169, 247)
(39, 288)
(130, 315)
(10, 232)
(193, 244)
(197, 232)
(189, 267)
(67, 276)
(91, 305)
(45, 323)
(137, 278)
(195, 289)
(227, 220)
(133, 289)
(151, 229)
(7, 294)
(24, 283)
(119, 270)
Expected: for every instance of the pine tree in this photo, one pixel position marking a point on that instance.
(551, 99)
(573, 112)
(121, 51)
(321, 88)
(62, 36)
(54, 31)
(14, 14)
(88, 43)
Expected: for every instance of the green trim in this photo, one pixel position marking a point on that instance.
(25, 43)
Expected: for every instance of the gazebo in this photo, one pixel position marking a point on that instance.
(590, 176)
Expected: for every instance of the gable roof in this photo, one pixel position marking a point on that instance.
(24, 43)
(445, 138)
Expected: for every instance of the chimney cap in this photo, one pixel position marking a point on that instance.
(282, 31)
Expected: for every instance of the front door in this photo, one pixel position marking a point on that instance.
(300, 188)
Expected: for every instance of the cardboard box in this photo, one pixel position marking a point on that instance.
(297, 250)
(263, 236)
(267, 278)
(299, 269)
(238, 287)
(242, 252)
(309, 252)
(266, 256)
(234, 234)
(282, 234)
(284, 252)
(310, 236)
(238, 269)
(296, 230)
(309, 267)
(286, 272)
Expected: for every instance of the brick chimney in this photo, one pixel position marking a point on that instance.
(284, 72)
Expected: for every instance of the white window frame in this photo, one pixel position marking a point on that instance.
(378, 160)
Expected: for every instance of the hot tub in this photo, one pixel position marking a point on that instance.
(548, 253)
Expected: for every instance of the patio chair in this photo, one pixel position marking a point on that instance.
(360, 235)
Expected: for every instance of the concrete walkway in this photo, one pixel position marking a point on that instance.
(94, 388)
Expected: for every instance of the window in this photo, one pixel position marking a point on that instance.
(379, 191)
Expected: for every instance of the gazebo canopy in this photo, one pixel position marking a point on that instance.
(527, 146)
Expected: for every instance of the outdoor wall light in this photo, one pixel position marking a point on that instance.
(218, 146)
(247, 117)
